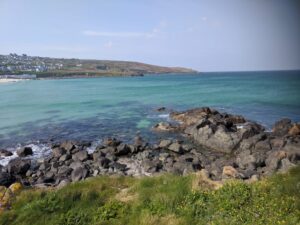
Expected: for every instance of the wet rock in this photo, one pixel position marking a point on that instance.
(190, 117)
(111, 142)
(25, 151)
(18, 166)
(5, 153)
(161, 109)
(282, 127)
(164, 126)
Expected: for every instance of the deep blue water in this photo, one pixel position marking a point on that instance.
(90, 109)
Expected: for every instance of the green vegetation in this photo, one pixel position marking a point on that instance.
(166, 199)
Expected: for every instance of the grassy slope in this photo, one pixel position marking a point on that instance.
(101, 67)
(167, 199)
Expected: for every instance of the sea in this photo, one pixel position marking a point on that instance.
(36, 112)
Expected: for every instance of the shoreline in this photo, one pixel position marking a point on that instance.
(226, 146)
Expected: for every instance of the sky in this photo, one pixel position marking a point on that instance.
(206, 35)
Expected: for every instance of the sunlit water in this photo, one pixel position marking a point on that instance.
(90, 109)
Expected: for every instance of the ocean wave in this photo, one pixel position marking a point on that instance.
(38, 151)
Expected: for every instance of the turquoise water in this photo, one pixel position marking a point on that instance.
(89, 109)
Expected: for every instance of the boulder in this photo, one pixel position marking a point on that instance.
(230, 172)
(6, 179)
(25, 151)
(5, 153)
(122, 149)
(68, 146)
(58, 152)
(165, 143)
(65, 157)
(282, 127)
(176, 147)
(111, 142)
(294, 130)
(164, 126)
(79, 173)
(286, 165)
(161, 109)
(80, 156)
(18, 166)
(250, 160)
(102, 162)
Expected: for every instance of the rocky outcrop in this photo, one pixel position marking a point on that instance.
(221, 145)
(25, 151)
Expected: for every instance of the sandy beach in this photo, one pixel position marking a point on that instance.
(5, 80)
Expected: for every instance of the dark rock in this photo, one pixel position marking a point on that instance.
(118, 166)
(6, 179)
(138, 141)
(18, 166)
(122, 149)
(79, 173)
(5, 153)
(161, 109)
(23, 152)
(282, 127)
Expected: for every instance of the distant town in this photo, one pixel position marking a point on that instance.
(24, 66)
(14, 63)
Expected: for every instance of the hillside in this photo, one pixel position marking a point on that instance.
(60, 67)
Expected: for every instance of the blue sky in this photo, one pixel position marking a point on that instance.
(207, 35)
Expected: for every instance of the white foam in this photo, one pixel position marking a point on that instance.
(164, 115)
(38, 150)
(93, 146)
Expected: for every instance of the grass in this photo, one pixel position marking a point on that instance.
(167, 199)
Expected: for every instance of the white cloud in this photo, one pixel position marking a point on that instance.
(156, 31)
(114, 34)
